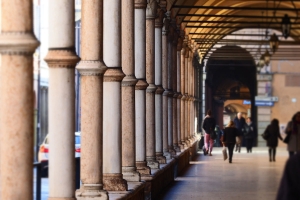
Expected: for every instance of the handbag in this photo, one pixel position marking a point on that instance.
(287, 138)
(266, 134)
(224, 151)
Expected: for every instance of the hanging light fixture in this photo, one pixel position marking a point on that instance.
(274, 42)
(286, 26)
(267, 57)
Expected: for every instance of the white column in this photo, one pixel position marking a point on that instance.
(158, 94)
(112, 140)
(150, 92)
(140, 88)
(91, 69)
(183, 111)
(128, 93)
(165, 85)
(61, 60)
(17, 45)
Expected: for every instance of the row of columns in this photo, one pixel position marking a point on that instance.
(137, 95)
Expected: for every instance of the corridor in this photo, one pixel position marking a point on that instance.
(249, 177)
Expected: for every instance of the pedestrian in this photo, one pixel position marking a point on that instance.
(239, 122)
(273, 133)
(208, 126)
(250, 132)
(293, 132)
(229, 138)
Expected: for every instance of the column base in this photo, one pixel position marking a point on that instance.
(167, 154)
(184, 144)
(172, 151)
(153, 164)
(91, 192)
(160, 158)
(114, 182)
(142, 168)
(130, 174)
(177, 148)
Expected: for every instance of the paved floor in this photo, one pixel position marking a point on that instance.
(251, 176)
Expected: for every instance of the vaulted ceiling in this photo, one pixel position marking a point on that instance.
(215, 23)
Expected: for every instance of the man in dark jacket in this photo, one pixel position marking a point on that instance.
(239, 122)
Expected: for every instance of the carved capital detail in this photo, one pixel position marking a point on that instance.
(91, 68)
(151, 88)
(160, 18)
(113, 74)
(140, 4)
(166, 93)
(62, 58)
(151, 9)
(18, 43)
(129, 80)
(159, 89)
(179, 95)
(141, 85)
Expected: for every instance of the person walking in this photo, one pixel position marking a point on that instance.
(250, 132)
(208, 126)
(273, 133)
(239, 122)
(293, 132)
(229, 138)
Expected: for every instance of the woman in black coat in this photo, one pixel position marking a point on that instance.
(273, 133)
(229, 138)
(249, 131)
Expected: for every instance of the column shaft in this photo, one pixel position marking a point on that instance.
(179, 96)
(128, 93)
(112, 136)
(182, 113)
(17, 45)
(140, 88)
(91, 69)
(150, 92)
(61, 60)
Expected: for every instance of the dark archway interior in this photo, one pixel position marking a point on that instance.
(230, 78)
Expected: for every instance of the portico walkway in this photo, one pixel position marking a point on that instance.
(249, 177)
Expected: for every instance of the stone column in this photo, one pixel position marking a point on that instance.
(176, 94)
(186, 113)
(165, 84)
(61, 59)
(128, 93)
(182, 108)
(112, 136)
(17, 45)
(190, 79)
(171, 92)
(140, 88)
(91, 69)
(150, 92)
(160, 90)
(179, 47)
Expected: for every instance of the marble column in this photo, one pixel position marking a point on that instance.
(182, 102)
(128, 93)
(140, 88)
(176, 94)
(91, 69)
(165, 75)
(61, 59)
(17, 45)
(158, 94)
(112, 136)
(179, 47)
(170, 91)
(186, 113)
(150, 91)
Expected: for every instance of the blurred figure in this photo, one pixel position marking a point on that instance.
(250, 133)
(219, 134)
(289, 188)
(272, 141)
(293, 132)
(209, 125)
(239, 122)
(229, 138)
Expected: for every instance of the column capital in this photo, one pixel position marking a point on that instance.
(141, 85)
(113, 74)
(151, 88)
(170, 93)
(129, 80)
(151, 9)
(166, 23)
(91, 68)
(18, 43)
(166, 93)
(159, 90)
(62, 57)
(159, 20)
(179, 44)
(140, 4)
(179, 95)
